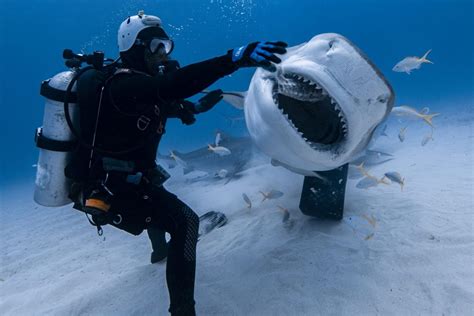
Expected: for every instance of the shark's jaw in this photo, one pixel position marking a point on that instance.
(319, 109)
(309, 109)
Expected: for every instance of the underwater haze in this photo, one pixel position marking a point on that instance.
(34, 34)
(405, 245)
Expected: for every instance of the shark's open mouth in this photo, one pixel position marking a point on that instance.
(314, 114)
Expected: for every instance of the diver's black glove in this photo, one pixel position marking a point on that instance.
(259, 54)
(186, 112)
(208, 101)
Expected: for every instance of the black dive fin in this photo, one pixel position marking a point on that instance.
(325, 199)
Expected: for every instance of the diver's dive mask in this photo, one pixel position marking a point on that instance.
(156, 43)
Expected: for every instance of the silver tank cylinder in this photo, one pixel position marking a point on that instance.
(51, 185)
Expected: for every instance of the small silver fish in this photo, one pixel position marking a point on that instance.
(410, 63)
(366, 183)
(426, 139)
(401, 134)
(369, 180)
(220, 150)
(178, 160)
(222, 173)
(396, 177)
(369, 236)
(218, 139)
(247, 200)
(273, 194)
(372, 221)
(286, 214)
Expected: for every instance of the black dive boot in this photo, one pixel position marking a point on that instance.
(158, 243)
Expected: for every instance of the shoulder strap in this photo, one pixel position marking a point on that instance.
(129, 71)
(91, 93)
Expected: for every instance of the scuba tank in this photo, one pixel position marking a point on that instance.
(57, 138)
(55, 141)
(67, 144)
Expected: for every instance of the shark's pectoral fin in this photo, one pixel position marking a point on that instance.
(188, 169)
(235, 98)
(306, 173)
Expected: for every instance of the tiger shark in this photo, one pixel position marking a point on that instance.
(319, 109)
(243, 155)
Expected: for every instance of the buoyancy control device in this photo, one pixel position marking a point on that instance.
(58, 137)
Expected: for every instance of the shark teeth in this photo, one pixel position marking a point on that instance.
(301, 88)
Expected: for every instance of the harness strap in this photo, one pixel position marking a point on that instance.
(52, 144)
(56, 94)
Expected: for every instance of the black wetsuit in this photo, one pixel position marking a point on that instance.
(133, 115)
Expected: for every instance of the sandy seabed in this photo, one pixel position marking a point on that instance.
(396, 252)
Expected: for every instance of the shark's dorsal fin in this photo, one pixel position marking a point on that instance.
(235, 98)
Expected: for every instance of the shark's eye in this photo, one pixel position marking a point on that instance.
(331, 44)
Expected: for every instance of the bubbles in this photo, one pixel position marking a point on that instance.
(106, 37)
(175, 30)
(235, 13)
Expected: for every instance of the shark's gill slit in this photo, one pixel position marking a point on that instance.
(309, 109)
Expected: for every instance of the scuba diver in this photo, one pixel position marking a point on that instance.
(123, 116)
(165, 65)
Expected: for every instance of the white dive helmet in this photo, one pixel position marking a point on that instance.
(129, 29)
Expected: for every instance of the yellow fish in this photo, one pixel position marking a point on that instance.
(286, 213)
(405, 110)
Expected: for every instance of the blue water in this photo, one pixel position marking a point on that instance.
(34, 33)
